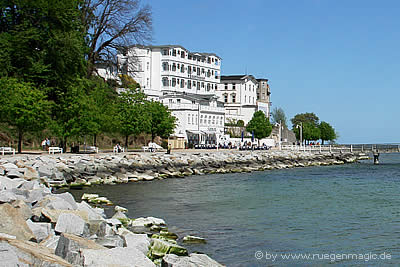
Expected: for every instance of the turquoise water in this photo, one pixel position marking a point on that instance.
(348, 209)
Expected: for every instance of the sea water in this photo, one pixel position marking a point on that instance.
(341, 215)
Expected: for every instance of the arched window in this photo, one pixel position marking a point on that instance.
(165, 81)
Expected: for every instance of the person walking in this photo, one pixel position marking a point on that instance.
(44, 144)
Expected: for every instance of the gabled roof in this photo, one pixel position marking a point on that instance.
(237, 78)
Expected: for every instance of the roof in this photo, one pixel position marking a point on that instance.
(176, 46)
(262, 79)
(237, 78)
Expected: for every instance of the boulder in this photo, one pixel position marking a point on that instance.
(193, 260)
(31, 173)
(40, 230)
(51, 242)
(7, 196)
(9, 166)
(161, 247)
(194, 239)
(120, 216)
(69, 247)
(69, 198)
(71, 224)
(98, 227)
(23, 208)
(93, 213)
(15, 252)
(7, 183)
(137, 241)
(44, 171)
(12, 222)
(53, 215)
(115, 257)
(120, 209)
(111, 241)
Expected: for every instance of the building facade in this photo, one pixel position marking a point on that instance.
(263, 97)
(184, 81)
(171, 68)
(239, 95)
(201, 118)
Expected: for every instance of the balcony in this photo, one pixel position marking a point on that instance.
(178, 106)
(212, 109)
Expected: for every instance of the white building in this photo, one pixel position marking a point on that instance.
(239, 94)
(171, 68)
(184, 81)
(200, 117)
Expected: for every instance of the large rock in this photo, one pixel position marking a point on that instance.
(160, 248)
(69, 247)
(7, 183)
(31, 173)
(115, 257)
(51, 242)
(194, 260)
(69, 198)
(93, 213)
(111, 241)
(53, 215)
(71, 224)
(12, 222)
(40, 230)
(24, 253)
(14, 173)
(7, 196)
(137, 241)
(23, 208)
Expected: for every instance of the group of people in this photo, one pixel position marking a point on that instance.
(46, 144)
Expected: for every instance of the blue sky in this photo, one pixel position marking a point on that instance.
(339, 59)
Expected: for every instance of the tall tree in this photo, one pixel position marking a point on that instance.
(132, 117)
(305, 118)
(259, 124)
(278, 115)
(327, 132)
(162, 123)
(112, 24)
(23, 107)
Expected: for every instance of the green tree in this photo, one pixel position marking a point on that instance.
(23, 107)
(259, 124)
(132, 117)
(278, 115)
(305, 118)
(327, 132)
(162, 123)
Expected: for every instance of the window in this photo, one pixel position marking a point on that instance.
(182, 83)
(174, 53)
(178, 101)
(245, 98)
(148, 82)
(189, 84)
(170, 101)
(174, 67)
(208, 87)
(183, 54)
(183, 68)
(202, 84)
(165, 66)
(233, 98)
(189, 121)
(245, 87)
(148, 66)
(198, 71)
(173, 82)
(165, 81)
(201, 119)
(165, 52)
(226, 86)
(190, 70)
(226, 98)
(195, 122)
(234, 86)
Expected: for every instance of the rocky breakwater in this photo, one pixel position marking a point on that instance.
(39, 228)
(80, 170)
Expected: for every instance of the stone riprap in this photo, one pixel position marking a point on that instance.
(79, 170)
(39, 228)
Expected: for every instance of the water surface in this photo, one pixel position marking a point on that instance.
(318, 210)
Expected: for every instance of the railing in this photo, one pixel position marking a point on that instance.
(362, 148)
(182, 106)
(214, 109)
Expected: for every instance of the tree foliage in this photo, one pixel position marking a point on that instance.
(327, 132)
(305, 118)
(278, 115)
(259, 124)
(161, 121)
(23, 107)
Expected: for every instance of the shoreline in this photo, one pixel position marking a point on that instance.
(77, 170)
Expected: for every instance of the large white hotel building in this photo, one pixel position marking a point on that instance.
(184, 81)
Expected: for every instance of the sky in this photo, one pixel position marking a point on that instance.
(337, 58)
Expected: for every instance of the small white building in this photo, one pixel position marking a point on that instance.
(200, 117)
(263, 97)
(239, 95)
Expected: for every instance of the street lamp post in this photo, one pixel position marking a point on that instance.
(301, 133)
